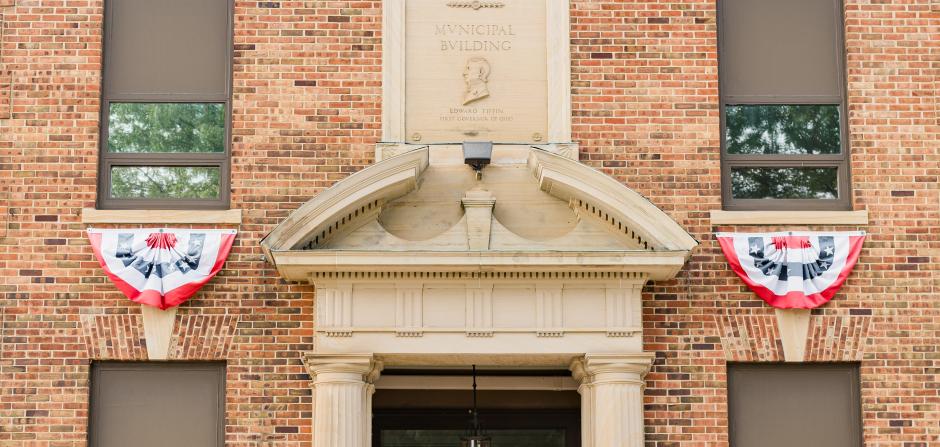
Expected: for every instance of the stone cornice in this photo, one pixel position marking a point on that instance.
(299, 265)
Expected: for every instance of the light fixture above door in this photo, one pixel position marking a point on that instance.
(475, 438)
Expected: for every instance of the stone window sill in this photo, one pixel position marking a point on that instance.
(721, 217)
(160, 217)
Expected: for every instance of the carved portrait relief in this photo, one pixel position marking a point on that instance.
(476, 75)
(475, 70)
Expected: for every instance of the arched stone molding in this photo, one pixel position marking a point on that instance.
(603, 196)
(355, 198)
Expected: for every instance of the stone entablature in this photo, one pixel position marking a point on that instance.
(480, 313)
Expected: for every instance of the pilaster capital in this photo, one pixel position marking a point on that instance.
(609, 368)
(323, 368)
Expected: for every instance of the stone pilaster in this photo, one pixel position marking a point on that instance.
(342, 390)
(611, 398)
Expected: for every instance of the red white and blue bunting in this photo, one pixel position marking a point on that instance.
(793, 270)
(161, 267)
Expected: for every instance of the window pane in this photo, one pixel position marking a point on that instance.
(164, 182)
(785, 183)
(166, 127)
(782, 129)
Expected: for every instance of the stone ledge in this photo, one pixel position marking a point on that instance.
(160, 217)
(721, 217)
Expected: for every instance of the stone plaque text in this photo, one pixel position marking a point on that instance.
(475, 70)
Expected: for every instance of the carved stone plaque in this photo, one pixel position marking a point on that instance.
(475, 70)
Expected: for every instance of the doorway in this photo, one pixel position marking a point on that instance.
(512, 418)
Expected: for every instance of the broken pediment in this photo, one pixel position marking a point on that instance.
(546, 214)
(516, 214)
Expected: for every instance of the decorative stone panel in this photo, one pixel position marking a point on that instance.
(483, 313)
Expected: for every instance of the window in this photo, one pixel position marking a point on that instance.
(771, 405)
(166, 104)
(784, 143)
(157, 404)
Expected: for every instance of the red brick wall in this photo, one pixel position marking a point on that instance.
(307, 101)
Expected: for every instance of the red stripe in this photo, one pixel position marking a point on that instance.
(794, 242)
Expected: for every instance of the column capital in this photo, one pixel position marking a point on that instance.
(362, 367)
(592, 367)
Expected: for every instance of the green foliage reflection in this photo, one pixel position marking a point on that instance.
(784, 183)
(166, 127)
(164, 182)
(782, 129)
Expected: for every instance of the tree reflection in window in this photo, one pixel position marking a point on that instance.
(165, 182)
(782, 129)
(166, 127)
(784, 183)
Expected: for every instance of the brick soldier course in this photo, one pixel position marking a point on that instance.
(307, 113)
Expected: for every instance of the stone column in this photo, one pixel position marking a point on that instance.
(612, 398)
(342, 393)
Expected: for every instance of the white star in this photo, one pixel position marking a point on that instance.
(755, 249)
(828, 250)
(824, 265)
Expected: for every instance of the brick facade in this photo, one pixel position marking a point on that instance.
(307, 112)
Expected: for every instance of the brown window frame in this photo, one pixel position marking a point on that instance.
(97, 367)
(839, 161)
(221, 160)
(856, 389)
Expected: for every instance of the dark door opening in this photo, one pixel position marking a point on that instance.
(439, 418)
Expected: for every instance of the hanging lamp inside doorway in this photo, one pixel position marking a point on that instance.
(476, 438)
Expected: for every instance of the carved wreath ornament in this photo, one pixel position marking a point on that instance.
(476, 5)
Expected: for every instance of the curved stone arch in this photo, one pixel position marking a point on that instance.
(355, 198)
(586, 188)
